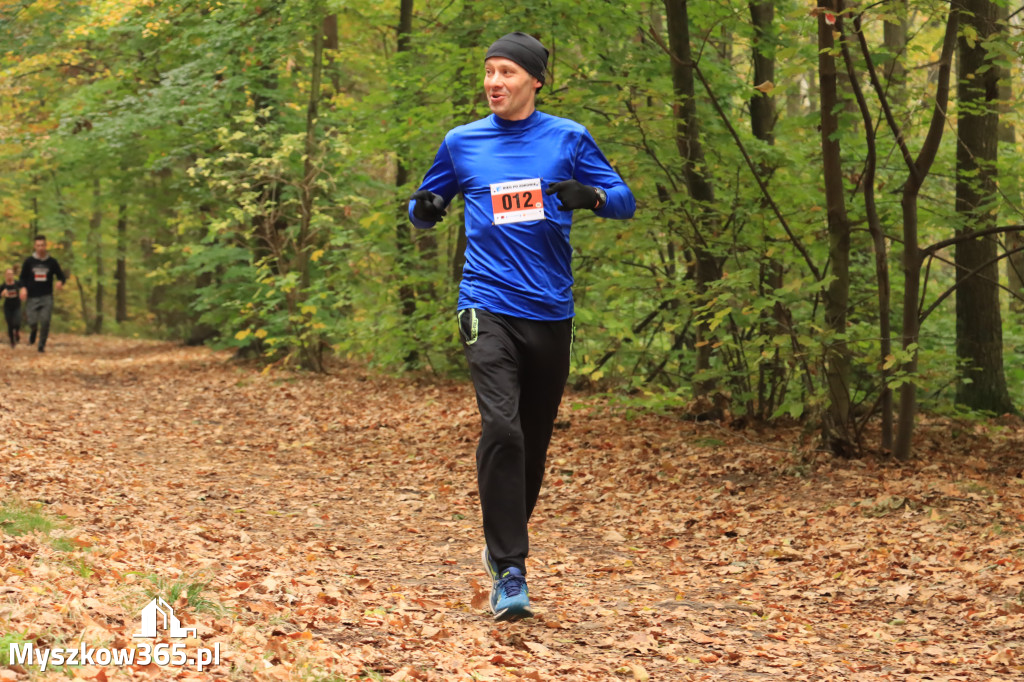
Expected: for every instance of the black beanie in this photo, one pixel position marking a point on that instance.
(524, 50)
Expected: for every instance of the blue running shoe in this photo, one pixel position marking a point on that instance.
(510, 599)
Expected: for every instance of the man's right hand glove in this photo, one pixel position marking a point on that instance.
(429, 206)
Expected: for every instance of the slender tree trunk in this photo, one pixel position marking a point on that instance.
(688, 142)
(95, 223)
(762, 104)
(34, 222)
(459, 255)
(1012, 184)
(837, 432)
(979, 327)
(919, 169)
(121, 275)
(311, 345)
(878, 239)
(403, 230)
(772, 374)
(895, 40)
(466, 91)
(331, 45)
(310, 169)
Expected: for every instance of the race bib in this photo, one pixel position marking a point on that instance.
(39, 274)
(518, 201)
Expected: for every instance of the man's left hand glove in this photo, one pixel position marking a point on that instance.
(574, 195)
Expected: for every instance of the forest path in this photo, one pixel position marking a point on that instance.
(333, 521)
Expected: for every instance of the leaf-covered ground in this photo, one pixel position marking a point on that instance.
(334, 523)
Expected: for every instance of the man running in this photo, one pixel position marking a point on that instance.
(37, 282)
(515, 300)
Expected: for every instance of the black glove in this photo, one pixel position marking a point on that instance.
(429, 206)
(573, 195)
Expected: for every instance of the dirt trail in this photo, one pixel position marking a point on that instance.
(334, 523)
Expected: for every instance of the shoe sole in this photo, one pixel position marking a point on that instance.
(510, 616)
(493, 576)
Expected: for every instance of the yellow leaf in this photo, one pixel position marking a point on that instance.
(261, 333)
(242, 334)
(765, 87)
(316, 255)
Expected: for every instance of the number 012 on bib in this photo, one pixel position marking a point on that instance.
(518, 201)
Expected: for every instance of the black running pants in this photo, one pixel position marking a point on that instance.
(519, 369)
(12, 315)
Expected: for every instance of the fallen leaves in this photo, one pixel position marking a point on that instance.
(337, 534)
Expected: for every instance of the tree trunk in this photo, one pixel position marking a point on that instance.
(459, 255)
(1008, 138)
(878, 239)
(121, 314)
(918, 171)
(762, 104)
(772, 374)
(895, 40)
(700, 188)
(330, 49)
(311, 344)
(403, 230)
(96, 239)
(837, 433)
(979, 330)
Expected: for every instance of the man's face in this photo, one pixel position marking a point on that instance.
(510, 90)
(40, 247)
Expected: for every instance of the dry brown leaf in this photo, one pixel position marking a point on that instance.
(639, 672)
(538, 648)
(185, 476)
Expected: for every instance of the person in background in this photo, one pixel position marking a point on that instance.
(37, 283)
(522, 173)
(10, 292)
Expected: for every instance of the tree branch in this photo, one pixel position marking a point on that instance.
(948, 292)
(739, 143)
(967, 236)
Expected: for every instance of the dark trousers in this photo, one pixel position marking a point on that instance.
(12, 315)
(38, 310)
(519, 369)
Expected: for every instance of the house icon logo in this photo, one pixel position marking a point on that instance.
(150, 621)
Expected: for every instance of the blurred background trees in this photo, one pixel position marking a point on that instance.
(828, 201)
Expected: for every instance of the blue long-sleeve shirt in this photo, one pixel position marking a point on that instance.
(518, 256)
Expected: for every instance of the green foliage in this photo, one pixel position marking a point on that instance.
(283, 235)
(6, 640)
(22, 518)
(171, 591)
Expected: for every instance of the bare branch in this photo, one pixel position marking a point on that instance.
(739, 143)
